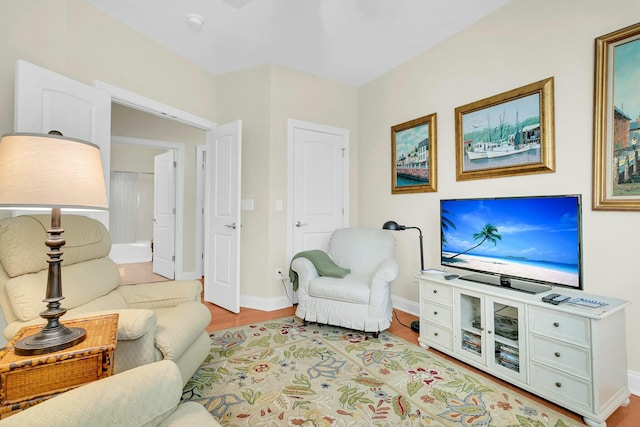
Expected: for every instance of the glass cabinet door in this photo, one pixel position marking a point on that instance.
(506, 335)
(470, 338)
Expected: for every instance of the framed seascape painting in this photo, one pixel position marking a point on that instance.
(413, 156)
(507, 134)
(616, 146)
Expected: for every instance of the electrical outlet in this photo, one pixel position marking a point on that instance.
(278, 273)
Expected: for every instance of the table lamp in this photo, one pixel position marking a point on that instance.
(394, 226)
(51, 172)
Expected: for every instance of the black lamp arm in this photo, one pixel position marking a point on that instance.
(421, 250)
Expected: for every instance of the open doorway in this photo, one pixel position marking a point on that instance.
(137, 139)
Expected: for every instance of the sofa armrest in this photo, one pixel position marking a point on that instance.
(132, 324)
(386, 273)
(142, 396)
(161, 294)
(306, 272)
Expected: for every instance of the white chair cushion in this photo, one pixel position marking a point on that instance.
(350, 289)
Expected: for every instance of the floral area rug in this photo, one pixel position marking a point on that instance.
(281, 373)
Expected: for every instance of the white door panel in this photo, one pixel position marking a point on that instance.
(46, 101)
(222, 217)
(319, 184)
(164, 214)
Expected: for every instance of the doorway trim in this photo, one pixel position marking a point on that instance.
(147, 105)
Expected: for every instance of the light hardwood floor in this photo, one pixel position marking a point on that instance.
(625, 416)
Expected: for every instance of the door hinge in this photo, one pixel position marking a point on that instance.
(174, 211)
(173, 258)
(175, 164)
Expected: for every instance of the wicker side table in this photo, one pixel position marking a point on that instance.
(28, 380)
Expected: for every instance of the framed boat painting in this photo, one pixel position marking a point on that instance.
(616, 124)
(507, 134)
(413, 156)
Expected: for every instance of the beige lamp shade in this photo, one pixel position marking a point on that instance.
(50, 171)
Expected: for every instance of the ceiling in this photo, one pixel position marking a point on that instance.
(350, 41)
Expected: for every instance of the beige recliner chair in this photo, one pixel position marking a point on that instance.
(157, 321)
(362, 299)
(145, 396)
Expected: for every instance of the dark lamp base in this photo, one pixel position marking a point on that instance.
(48, 341)
(415, 326)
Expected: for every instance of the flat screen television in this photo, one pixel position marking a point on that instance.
(525, 243)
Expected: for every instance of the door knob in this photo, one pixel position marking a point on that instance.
(299, 224)
(233, 226)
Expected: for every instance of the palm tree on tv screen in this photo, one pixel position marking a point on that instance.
(488, 233)
(445, 224)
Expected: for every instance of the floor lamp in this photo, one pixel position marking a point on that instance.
(51, 172)
(394, 226)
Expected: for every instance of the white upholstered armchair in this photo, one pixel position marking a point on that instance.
(362, 299)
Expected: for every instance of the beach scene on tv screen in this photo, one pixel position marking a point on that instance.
(529, 238)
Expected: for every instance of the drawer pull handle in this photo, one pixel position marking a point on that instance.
(558, 384)
(435, 313)
(435, 291)
(435, 334)
(556, 324)
(557, 354)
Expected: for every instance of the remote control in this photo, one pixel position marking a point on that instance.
(555, 299)
(451, 276)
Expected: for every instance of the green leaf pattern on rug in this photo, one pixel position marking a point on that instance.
(284, 373)
(467, 384)
(352, 396)
(308, 353)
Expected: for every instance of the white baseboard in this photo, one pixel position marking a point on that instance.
(188, 275)
(265, 304)
(406, 305)
(634, 382)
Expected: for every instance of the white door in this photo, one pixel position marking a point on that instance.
(164, 214)
(222, 217)
(318, 184)
(46, 101)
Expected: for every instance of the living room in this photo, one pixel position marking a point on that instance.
(523, 42)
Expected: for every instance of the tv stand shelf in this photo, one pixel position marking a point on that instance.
(572, 356)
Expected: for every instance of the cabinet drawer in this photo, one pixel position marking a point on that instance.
(436, 313)
(436, 335)
(437, 292)
(566, 327)
(560, 387)
(567, 358)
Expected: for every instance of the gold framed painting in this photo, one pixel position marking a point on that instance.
(616, 124)
(507, 134)
(413, 156)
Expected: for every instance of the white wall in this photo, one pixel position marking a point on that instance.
(524, 42)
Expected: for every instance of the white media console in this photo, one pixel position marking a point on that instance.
(570, 355)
